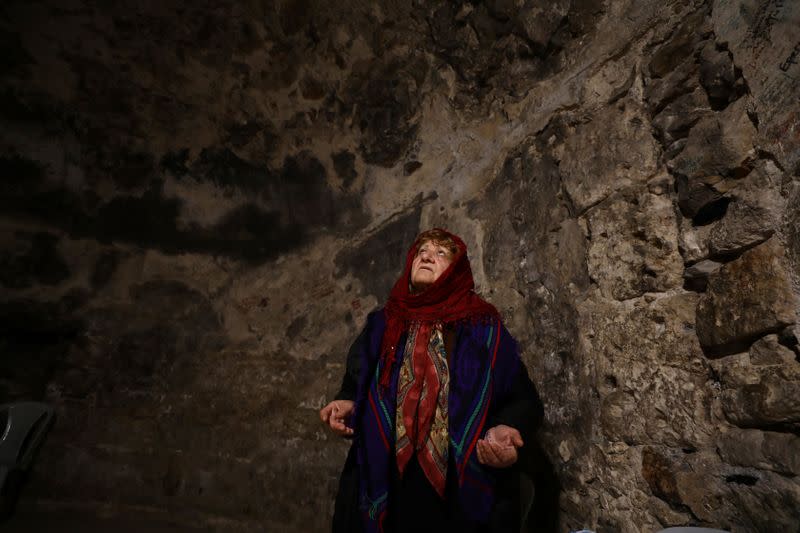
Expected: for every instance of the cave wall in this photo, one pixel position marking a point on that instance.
(201, 202)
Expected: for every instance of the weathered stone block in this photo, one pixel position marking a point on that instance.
(540, 21)
(731, 497)
(746, 298)
(718, 149)
(658, 333)
(680, 45)
(652, 404)
(766, 450)
(718, 76)
(703, 198)
(660, 476)
(696, 276)
(660, 91)
(754, 214)
(762, 36)
(678, 117)
(693, 240)
(719, 144)
(734, 371)
(744, 226)
(702, 492)
(761, 501)
(771, 402)
(614, 150)
(618, 419)
(768, 351)
(634, 251)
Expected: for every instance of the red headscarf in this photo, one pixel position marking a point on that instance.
(450, 298)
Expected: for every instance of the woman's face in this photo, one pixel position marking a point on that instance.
(430, 262)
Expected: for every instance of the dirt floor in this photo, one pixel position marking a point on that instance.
(68, 522)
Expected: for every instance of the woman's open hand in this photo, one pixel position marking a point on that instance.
(336, 415)
(499, 448)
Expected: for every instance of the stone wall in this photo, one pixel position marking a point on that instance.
(201, 202)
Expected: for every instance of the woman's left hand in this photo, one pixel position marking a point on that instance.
(499, 448)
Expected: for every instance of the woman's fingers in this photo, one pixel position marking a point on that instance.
(483, 456)
(508, 456)
(335, 415)
(495, 455)
(344, 408)
(489, 458)
(339, 427)
(325, 412)
(490, 452)
(505, 435)
(479, 450)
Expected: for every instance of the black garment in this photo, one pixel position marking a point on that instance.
(414, 506)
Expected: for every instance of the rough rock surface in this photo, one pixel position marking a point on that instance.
(746, 298)
(202, 201)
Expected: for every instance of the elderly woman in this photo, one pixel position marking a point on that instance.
(437, 402)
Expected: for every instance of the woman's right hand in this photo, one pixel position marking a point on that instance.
(336, 414)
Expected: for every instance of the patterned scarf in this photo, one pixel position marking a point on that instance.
(422, 393)
(423, 388)
(481, 370)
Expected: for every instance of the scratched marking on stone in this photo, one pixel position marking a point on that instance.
(763, 35)
(776, 89)
(789, 129)
(320, 291)
(767, 14)
(791, 60)
(758, 35)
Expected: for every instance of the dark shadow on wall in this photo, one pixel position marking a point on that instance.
(534, 464)
(543, 516)
(34, 336)
(284, 209)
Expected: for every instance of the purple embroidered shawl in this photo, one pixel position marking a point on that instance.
(483, 364)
